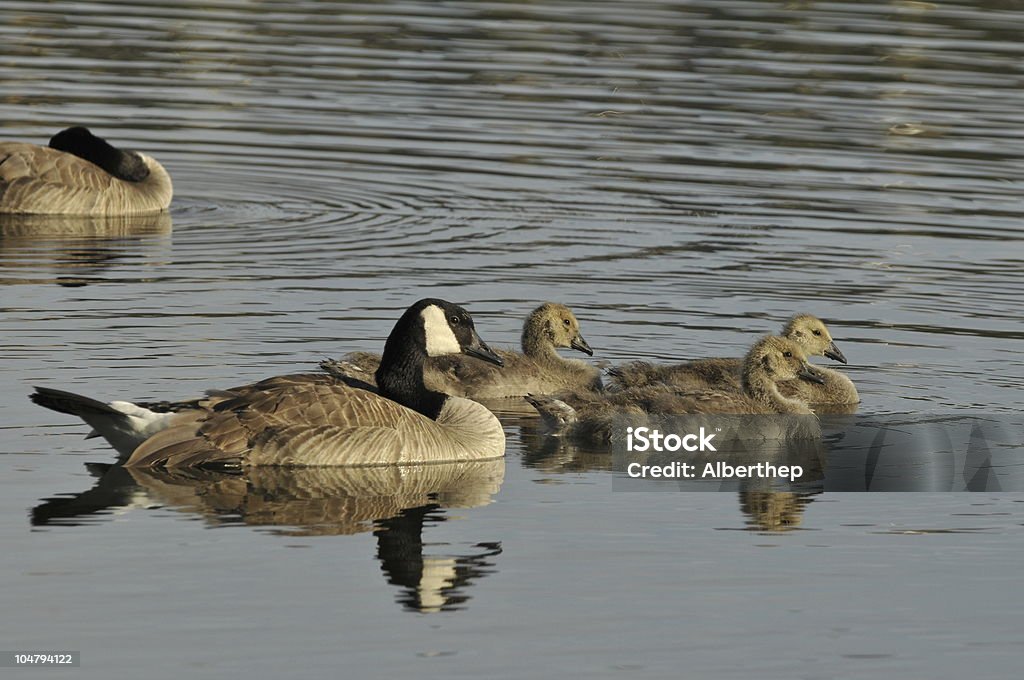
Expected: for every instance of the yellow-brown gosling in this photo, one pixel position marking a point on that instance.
(725, 374)
(771, 361)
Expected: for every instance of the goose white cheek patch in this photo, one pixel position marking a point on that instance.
(440, 338)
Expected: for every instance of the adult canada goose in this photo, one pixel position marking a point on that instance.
(725, 374)
(771, 361)
(314, 419)
(540, 369)
(80, 174)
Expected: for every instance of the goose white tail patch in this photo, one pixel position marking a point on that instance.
(440, 338)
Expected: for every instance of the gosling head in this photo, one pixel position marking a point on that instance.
(778, 359)
(812, 334)
(447, 328)
(80, 141)
(555, 323)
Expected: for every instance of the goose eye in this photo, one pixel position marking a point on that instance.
(816, 332)
(787, 353)
(455, 320)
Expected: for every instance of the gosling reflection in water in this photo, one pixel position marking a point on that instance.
(774, 511)
(394, 502)
(765, 509)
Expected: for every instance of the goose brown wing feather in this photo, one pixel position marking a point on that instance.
(243, 416)
(40, 179)
(313, 419)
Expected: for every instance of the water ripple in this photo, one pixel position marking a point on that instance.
(686, 175)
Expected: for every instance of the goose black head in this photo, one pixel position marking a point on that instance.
(429, 328)
(80, 141)
(445, 328)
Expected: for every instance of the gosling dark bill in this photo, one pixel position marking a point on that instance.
(833, 353)
(809, 374)
(580, 345)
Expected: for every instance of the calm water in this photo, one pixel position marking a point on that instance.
(685, 175)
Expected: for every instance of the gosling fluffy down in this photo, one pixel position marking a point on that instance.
(80, 174)
(540, 369)
(725, 374)
(771, 361)
(310, 420)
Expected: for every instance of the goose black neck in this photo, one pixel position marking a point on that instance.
(400, 377)
(79, 141)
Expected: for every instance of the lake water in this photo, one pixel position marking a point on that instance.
(684, 175)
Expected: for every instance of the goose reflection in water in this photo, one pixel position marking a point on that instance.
(76, 248)
(394, 502)
(430, 583)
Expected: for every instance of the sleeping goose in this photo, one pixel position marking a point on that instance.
(80, 174)
(307, 420)
(724, 374)
(772, 360)
(540, 369)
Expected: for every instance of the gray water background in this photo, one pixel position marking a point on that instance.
(684, 175)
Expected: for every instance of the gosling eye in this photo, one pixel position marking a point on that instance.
(816, 332)
(566, 321)
(787, 353)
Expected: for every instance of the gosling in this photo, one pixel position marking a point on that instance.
(772, 360)
(540, 369)
(810, 332)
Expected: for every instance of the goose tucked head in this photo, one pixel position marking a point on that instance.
(553, 325)
(122, 164)
(774, 359)
(812, 334)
